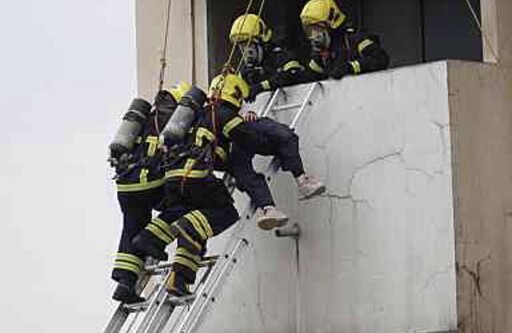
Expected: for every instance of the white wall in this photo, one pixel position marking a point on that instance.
(376, 253)
(67, 74)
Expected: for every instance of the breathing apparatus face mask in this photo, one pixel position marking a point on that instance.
(253, 53)
(319, 37)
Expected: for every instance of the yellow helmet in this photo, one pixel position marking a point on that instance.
(248, 27)
(322, 11)
(230, 88)
(179, 90)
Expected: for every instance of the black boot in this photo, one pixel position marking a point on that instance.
(150, 245)
(177, 285)
(125, 293)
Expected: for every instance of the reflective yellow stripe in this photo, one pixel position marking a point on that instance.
(186, 253)
(186, 262)
(291, 65)
(129, 267)
(266, 85)
(140, 186)
(162, 225)
(206, 225)
(189, 174)
(364, 44)
(203, 133)
(356, 66)
(196, 224)
(143, 177)
(129, 257)
(315, 67)
(188, 238)
(159, 233)
(221, 152)
(230, 125)
(153, 144)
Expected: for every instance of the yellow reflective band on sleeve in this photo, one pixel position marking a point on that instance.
(162, 225)
(196, 224)
(159, 233)
(221, 152)
(189, 174)
(186, 262)
(203, 133)
(188, 238)
(120, 256)
(291, 65)
(140, 186)
(153, 144)
(127, 266)
(315, 67)
(186, 253)
(266, 85)
(364, 44)
(356, 66)
(230, 125)
(143, 177)
(204, 221)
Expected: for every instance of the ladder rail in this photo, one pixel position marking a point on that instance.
(193, 316)
(208, 292)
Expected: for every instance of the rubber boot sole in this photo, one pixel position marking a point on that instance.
(315, 193)
(271, 223)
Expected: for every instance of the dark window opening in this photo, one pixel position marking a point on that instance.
(411, 31)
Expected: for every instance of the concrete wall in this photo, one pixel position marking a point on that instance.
(480, 104)
(378, 249)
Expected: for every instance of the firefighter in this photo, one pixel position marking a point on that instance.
(283, 143)
(198, 205)
(266, 64)
(135, 155)
(337, 48)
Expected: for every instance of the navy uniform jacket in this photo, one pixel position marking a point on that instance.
(279, 68)
(207, 146)
(351, 52)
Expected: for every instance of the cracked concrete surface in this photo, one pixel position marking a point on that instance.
(377, 249)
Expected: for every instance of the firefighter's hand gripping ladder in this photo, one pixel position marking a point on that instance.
(183, 315)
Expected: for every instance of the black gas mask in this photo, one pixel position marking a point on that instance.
(252, 53)
(318, 37)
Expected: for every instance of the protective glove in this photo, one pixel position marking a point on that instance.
(255, 90)
(341, 70)
(250, 116)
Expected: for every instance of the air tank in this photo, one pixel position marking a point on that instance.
(131, 127)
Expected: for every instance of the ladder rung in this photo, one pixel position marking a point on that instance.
(286, 107)
(136, 307)
(184, 300)
(207, 261)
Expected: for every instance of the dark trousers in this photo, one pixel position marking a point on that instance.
(194, 212)
(284, 144)
(137, 209)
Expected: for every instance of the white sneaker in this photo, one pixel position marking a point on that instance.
(309, 187)
(270, 217)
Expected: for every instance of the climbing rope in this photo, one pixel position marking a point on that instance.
(226, 69)
(249, 41)
(163, 58)
(163, 64)
(479, 25)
